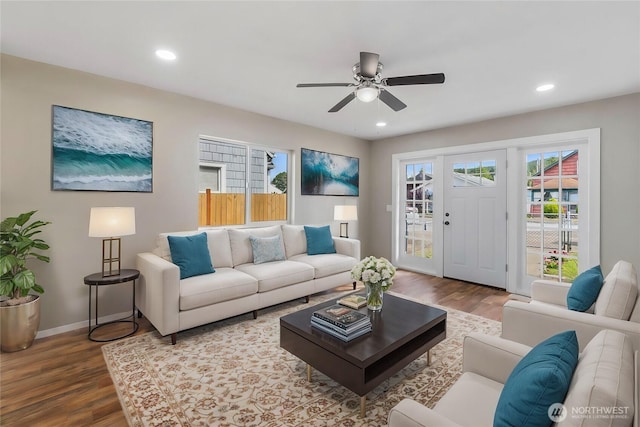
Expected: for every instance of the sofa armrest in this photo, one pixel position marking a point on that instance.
(531, 323)
(550, 292)
(346, 246)
(409, 413)
(490, 356)
(158, 292)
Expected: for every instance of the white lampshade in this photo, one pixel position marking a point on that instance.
(345, 213)
(112, 222)
(367, 93)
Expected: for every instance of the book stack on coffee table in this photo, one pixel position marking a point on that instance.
(341, 322)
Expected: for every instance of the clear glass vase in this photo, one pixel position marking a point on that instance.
(374, 296)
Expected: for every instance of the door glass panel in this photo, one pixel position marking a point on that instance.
(552, 221)
(418, 210)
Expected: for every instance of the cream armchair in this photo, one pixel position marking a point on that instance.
(605, 376)
(616, 308)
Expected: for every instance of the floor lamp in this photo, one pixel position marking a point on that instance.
(111, 223)
(345, 213)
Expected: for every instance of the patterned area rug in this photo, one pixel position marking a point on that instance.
(234, 373)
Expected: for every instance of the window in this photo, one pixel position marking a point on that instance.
(241, 183)
(475, 174)
(211, 177)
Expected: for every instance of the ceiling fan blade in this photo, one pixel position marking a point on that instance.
(394, 103)
(347, 99)
(420, 79)
(369, 64)
(324, 84)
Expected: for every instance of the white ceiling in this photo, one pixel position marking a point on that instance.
(251, 55)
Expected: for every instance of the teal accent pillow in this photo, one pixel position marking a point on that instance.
(191, 254)
(585, 289)
(319, 240)
(266, 249)
(539, 380)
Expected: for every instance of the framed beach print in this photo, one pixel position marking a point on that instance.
(327, 174)
(100, 152)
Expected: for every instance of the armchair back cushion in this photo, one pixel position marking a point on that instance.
(604, 378)
(619, 293)
(539, 380)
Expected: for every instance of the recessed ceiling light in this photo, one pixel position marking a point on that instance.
(545, 87)
(381, 124)
(165, 54)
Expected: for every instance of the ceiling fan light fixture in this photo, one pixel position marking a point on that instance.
(367, 93)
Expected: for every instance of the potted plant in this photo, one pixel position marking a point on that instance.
(19, 310)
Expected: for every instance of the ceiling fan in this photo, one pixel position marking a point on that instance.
(370, 85)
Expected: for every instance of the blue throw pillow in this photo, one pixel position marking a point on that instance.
(266, 249)
(539, 380)
(319, 240)
(191, 254)
(585, 289)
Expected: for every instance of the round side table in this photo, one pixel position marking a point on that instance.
(96, 279)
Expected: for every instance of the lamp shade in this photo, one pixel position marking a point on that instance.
(112, 222)
(345, 213)
(367, 93)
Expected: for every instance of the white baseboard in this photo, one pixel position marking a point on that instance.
(79, 325)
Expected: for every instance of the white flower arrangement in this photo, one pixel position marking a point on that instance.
(375, 271)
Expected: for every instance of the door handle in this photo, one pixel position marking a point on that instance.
(446, 223)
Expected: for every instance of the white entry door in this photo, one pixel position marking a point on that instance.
(475, 218)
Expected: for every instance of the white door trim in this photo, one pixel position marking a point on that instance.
(590, 202)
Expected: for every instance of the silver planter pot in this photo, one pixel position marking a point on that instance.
(19, 325)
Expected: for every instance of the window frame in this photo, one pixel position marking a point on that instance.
(247, 179)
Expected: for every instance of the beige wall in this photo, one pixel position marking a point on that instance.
(619, 121)
(29, 89)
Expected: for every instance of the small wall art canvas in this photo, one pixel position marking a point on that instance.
(329, 174)
(100, 152)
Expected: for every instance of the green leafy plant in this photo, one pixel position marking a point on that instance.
(17, 246)
(551, 208)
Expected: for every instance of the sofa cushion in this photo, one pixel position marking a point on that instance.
(478, 394)
(319, 240)
(295, 240)
(277, 274)
(539, 380)
(604, 380)
(191, 254)
(266, 249)
(241, 250)
(217, 241)
(226, 284)
(585, 289)
(327, 264)
(619, 292)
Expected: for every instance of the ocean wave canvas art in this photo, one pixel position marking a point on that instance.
(100, 152)
(329, 174)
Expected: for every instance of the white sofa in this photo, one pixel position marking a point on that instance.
(617, 307)
(238, 285)
(605, 377)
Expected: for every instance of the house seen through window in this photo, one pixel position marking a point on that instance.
(241, 184)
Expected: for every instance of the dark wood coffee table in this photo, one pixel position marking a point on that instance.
(402, 331)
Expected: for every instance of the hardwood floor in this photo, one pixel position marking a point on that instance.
(63, 381)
